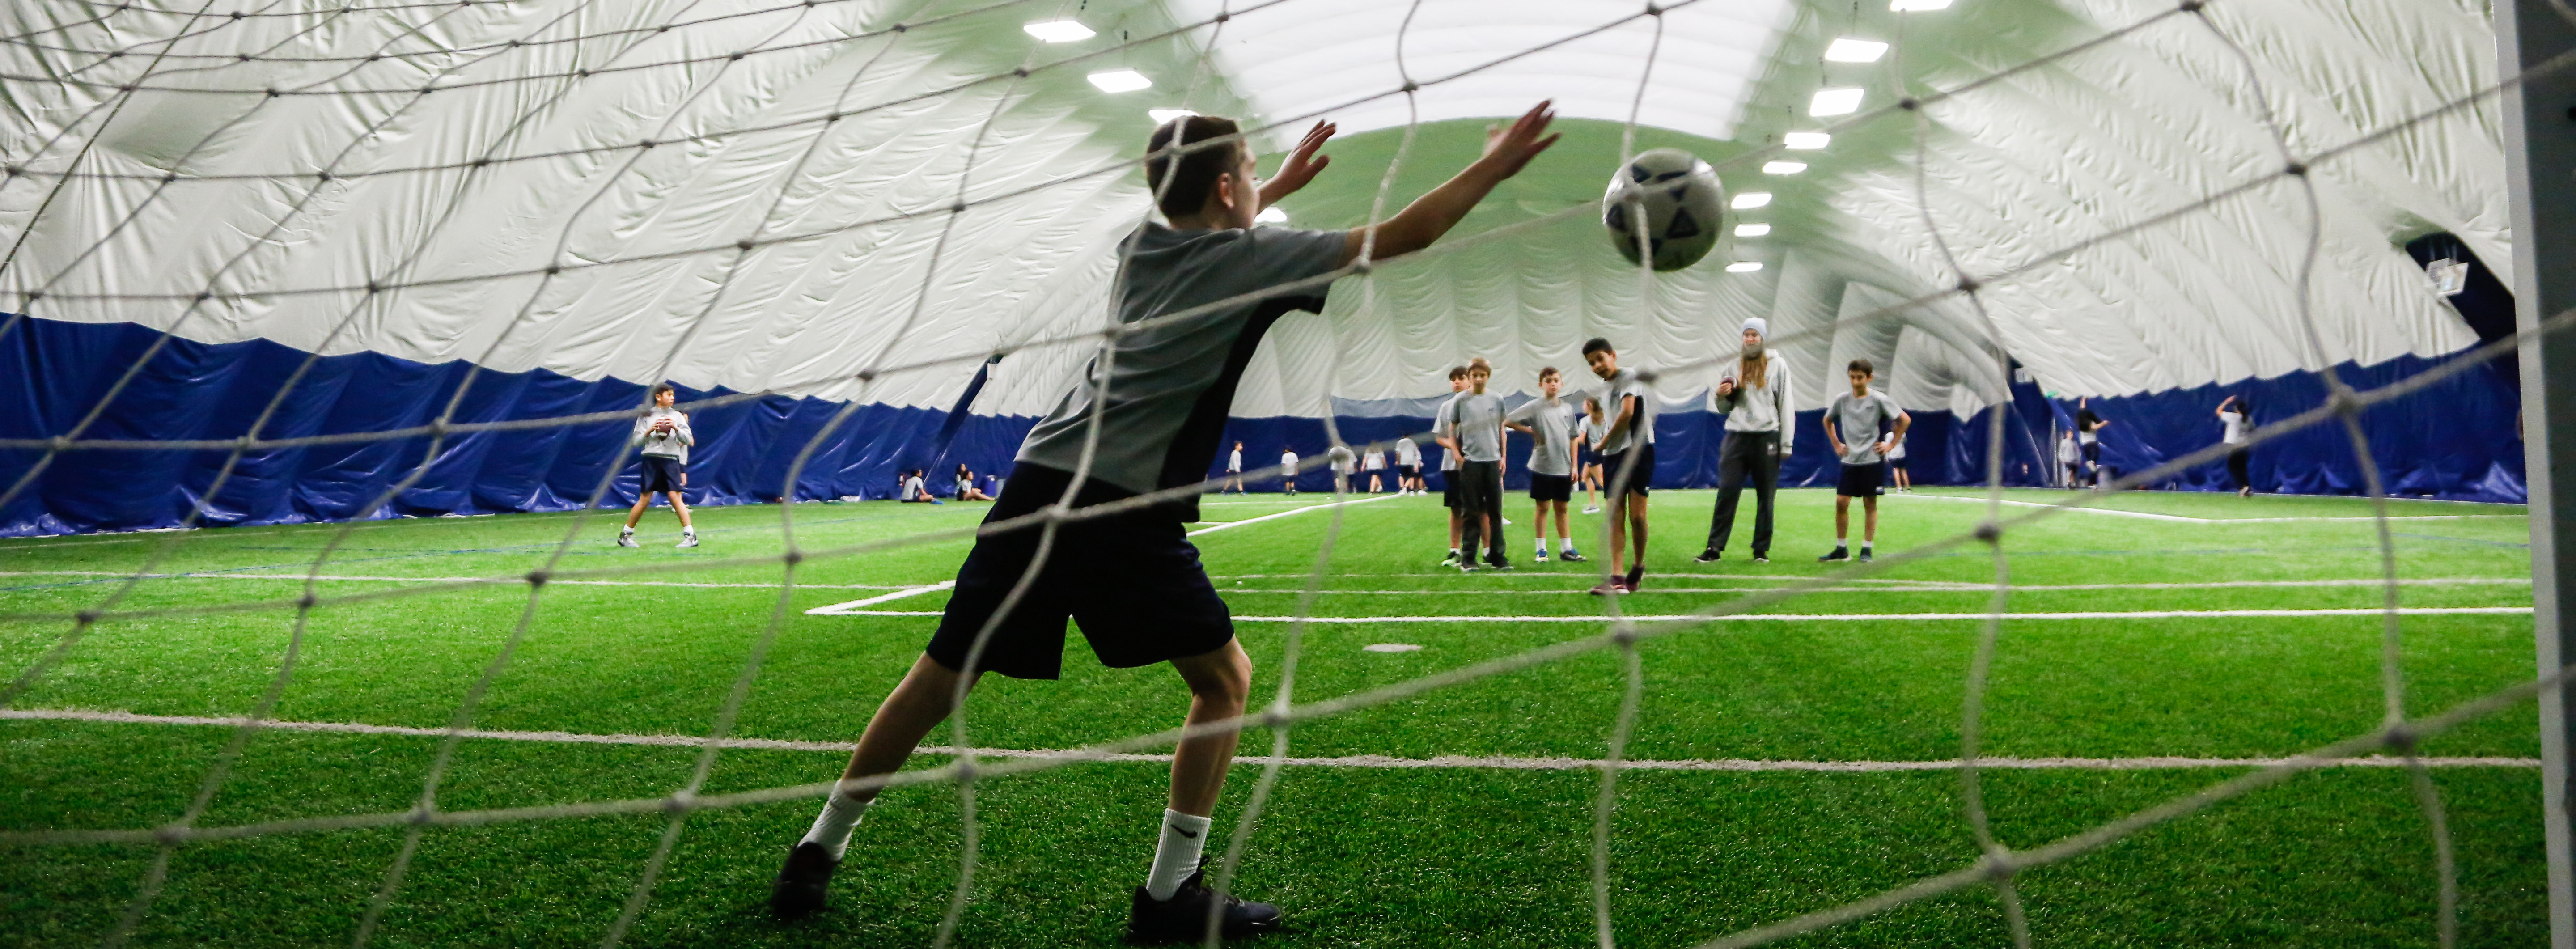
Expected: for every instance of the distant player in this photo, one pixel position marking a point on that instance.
(1896, 468)
(1288, 470)
(1408, 466)
(916, 489)
(1588, 458)
(1131, 579)
(1233, 471)
(1375, 464)
(2237, 415)
(2071, 458)
(1549, 422)
(1441, 420)
(1862, 425)
(1627, 457)
(1761, 429)
(664, 435)
(2088, 436)
(1476, 433)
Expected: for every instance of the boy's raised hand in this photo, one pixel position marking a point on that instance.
(1302, 164)
(1509, 149)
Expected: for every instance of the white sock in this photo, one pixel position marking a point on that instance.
(1841, 544)
(1864, 545)
(1176, 856)
(688, 532)
(626, 530)
(832, 827)
(1568, 543)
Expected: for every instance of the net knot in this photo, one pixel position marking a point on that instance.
(321, 176)
(2344, 401)
(867, 375)
(1224, 17)
(1361, 267)
(205, 295)
(1909, 103)
(2000, 866)
(421, 816)
(743, 244)
(1969, 285)
(1648, 376)
(538, 578)
(85, 617)
(2399, 738)
(831, 118)
(1274, 718)
(272, 93)
(900, 27)
(1990, 532)
(170, 178)
(792, 557)
(246, 442)
(2190, 6)
(171, 834)
(957, 208)
(2296, 169)
(553, 269)
(1625, 634)
(307, 601)
(581, 73)
(1654, 10)
(966, 765)
(35, 295)
(737, 56)
(60, 443)
(1020, 73)
(374, 288)
(680, 802)
(12, 170)
(647, 143)
(1411, 86)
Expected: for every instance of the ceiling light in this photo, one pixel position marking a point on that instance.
(1848, 50)
(1750, 200)
(1271, 215)
(1843, 101)
(1129, 80)
(1783, 167)
(1165, 115)
(1805, 141)
(1744, 266)
(1915, 6)
(1752, 230)
(1058, 31)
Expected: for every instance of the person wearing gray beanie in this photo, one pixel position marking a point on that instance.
(1761, 424)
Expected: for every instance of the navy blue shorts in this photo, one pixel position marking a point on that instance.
(663, 474)
(1861, 481)
(1640, 472)
(1131, 581)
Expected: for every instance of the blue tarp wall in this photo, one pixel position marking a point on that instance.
(2456, 439)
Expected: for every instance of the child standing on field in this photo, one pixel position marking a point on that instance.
(1549, 422)
(1288, 469)
(1862, 425)
(663, 433)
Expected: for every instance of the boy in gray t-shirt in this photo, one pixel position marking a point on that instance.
(1130, 579)
(1475, 433)
(1549, 422)
(1862, 425)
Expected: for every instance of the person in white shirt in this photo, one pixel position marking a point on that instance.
(1861, 425)
(1288, 470)
(2238, 416)
(2071, 458)
(1761, 426)
(1628, 457)
(1549, 422)
(1375, 464)
(916, 488)
(1233, 470)
(1408, 466)
(663, 434)
(1896, 468)
(1588, 454)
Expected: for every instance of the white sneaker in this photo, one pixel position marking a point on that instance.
(687, 540)
(627, 539)
(1592, 509)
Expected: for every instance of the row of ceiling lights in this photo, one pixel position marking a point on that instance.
(1826, 103)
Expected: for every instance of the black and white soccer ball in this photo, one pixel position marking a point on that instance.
(1683, 206)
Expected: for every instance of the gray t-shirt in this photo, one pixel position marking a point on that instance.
(1171, 384)
(1479, 421)
(1862, 422)
(1641, 429)
(1553, 423)
(1441, 419)
(1408, 453)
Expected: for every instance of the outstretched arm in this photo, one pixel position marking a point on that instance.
(1507, 151)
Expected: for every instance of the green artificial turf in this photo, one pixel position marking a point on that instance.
(1359, 856)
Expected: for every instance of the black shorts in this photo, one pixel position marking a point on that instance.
(1449, 488)
(1896, 463)
(1612, 464)
(1861, 481)
(1410, 471)
(1548, 487)
(1132, 581)
(663, 474)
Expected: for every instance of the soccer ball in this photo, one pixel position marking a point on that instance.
(1682, 202)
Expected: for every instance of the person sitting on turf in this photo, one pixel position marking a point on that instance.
(966, 489)
(1861, 425)
(664, 434)
(1131, 579)
(916, 492)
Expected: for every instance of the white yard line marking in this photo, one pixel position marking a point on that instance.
(1858, 617)
(842, 609)
(2215, 520)
(1928, 587)
(1213, 528)
(397, 579)
(1497, 762)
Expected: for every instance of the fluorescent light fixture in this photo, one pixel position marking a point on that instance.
(1271, 215)
(1843, 101)
(1123, 80)
(1752, 230)
(1783, 167)
(1849, 50)
(1805, 141)
(1165, 115)
(1744, 266)
(1058, 31)
(1750, 200)
(1918, 6)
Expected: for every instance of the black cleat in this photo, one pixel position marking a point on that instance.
(1864, 555)
(1635, 575)
(1183, 918)
(798, 891)
(1571, 557)
(1838, 554)
(1497, 563)
(1711, 555)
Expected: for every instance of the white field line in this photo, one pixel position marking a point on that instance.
(840, 609)
(1497, 762)
(1213, 528)
(2217, 520)
(1858, 617)
(1929, 587)
(395, 579)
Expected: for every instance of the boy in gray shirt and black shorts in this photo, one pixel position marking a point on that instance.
(1862, 425)
(1475, 433)
(1549, 422)
(1131, 579)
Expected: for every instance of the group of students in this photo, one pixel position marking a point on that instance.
(913, 487)
(2079, 450)
(1615, 434)
(1864, 425)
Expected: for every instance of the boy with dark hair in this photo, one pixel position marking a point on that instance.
(1588, 454)
(2235, 416)
(664, 434)
(1441, 421)
(2088, 436)
(1131, 579)
(1549, 422)
(1476, 433)
(1233, 471)
(1861, 425)
(1627, 458)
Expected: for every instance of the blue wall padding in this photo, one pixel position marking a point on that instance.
(2455, 439)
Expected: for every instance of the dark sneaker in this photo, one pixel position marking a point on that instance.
(1183, 918)
(1466, 566)
(1864, 555)
(1636, 574)
(798, 891)
(1571, 557)
(1711, 555)
(1838, 554)
(1760, 557)
(1451, 560)
(1497, 563)
(1608, 588)
(627, 540)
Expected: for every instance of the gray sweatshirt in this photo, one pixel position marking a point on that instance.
(1759, 410)
(673, 444)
